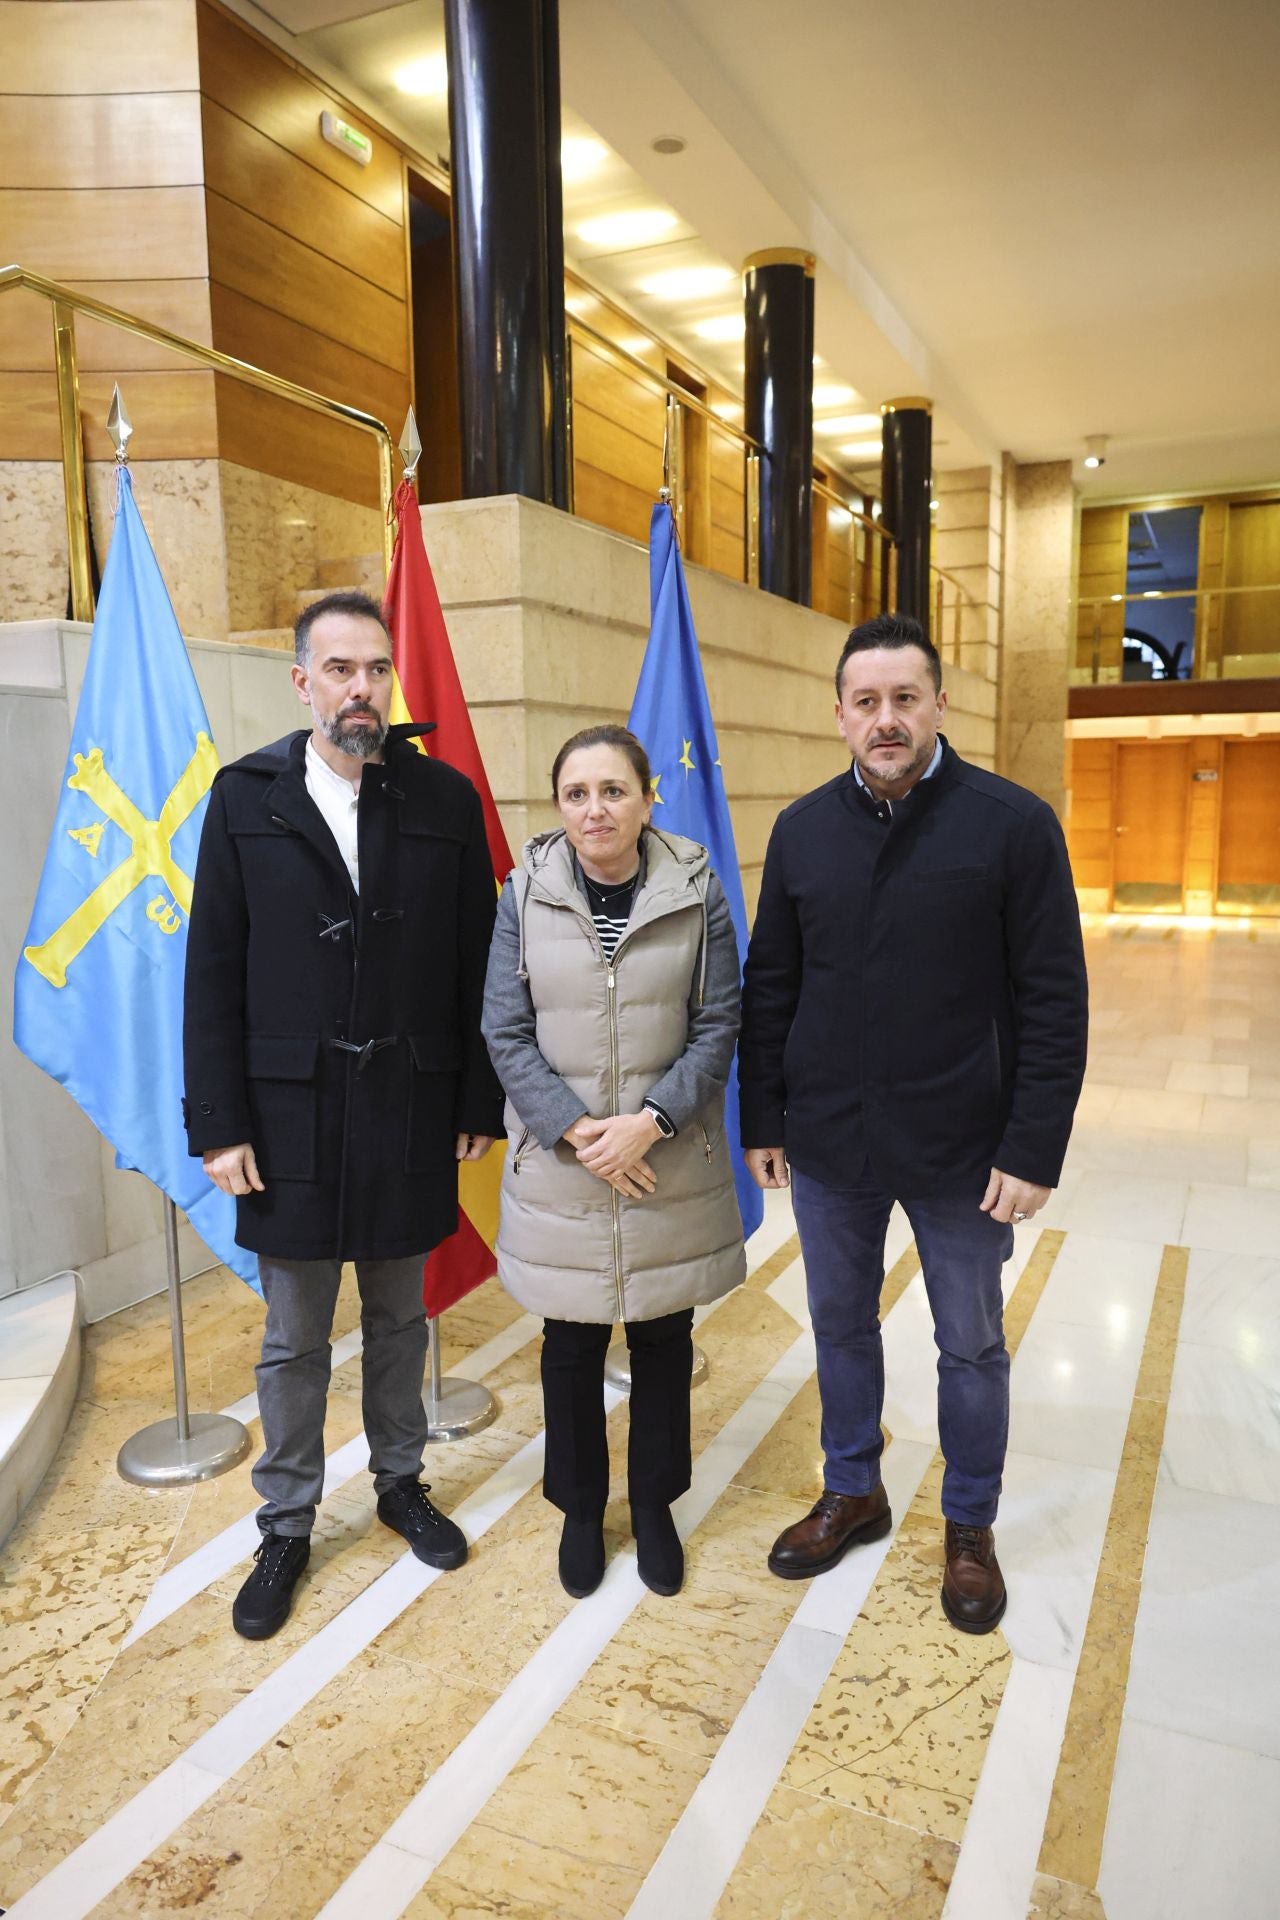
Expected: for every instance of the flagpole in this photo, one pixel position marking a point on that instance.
(455, 1408)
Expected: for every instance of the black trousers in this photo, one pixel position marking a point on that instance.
(659, 1465)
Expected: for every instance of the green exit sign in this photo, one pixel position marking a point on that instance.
(349, 140)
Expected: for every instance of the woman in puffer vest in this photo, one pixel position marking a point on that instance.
(611, 1013)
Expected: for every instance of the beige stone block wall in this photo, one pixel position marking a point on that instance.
(967, 543)
(1040, 533)
(283, 539)
(549, 616)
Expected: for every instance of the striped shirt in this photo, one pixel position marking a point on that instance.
(610, 910)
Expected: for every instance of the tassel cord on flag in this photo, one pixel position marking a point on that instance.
(189, 1447)
(455, 1408)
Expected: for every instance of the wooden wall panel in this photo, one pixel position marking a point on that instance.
(172, 413)
(263, 264)
(1104, 560)
(114, 46)
(1091, 825)
(246, 168)
(1204, 808)
(611, 393)
(111, 140)
(106, 233)
(272, 435)
(609, 502)
(26, 329)
(1251, 621)
(1250, 814)
(266, 339)
(614, 450)
(264, 88)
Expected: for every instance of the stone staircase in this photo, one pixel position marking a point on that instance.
(356, 572)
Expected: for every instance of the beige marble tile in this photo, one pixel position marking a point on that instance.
(1059, 1900)
(521, 1879)
(815, 1860)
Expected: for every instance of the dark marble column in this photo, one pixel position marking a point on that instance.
(906, 468)
(778, 295)
(504, 131)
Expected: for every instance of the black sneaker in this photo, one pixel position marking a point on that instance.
(262, 1605)
(434, 1538)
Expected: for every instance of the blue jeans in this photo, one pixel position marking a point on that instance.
(842, 1233)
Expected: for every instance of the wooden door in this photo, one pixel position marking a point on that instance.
(1249, 846)
(1153, 781)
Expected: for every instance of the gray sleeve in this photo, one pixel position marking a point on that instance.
(703, 1068)
(541, 1098)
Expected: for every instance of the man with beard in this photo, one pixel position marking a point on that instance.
(914, 1024)
(335, 1069)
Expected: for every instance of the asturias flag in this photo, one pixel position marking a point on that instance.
(429, 689)
(98, 994)
(672, 717)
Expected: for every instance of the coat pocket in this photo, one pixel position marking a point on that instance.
(280, 1071)
(434, 1062)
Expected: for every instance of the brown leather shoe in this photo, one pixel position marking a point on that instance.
(973, 1595)
(836, 1522)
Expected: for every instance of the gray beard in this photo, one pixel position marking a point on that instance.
(360, 742)
(915, 765)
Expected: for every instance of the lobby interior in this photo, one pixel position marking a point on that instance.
(1002, 285)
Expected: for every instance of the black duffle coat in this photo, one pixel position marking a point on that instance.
(340, 1033)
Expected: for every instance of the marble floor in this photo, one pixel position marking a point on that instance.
(475, 1743)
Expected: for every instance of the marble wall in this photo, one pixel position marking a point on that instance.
(1041, 518)
(968, 545)
(282, 540)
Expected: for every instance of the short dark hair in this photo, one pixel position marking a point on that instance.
(618, 737)
(890, 630)
(345, 600)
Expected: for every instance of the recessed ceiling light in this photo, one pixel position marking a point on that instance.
(425, 79)
(847, 423)
(833, 394)
(632, 229)
(581, 157)
(687, 283)
(860, 450)
(638, 343)
(722, 326)
(669, 143)
(1095, 454)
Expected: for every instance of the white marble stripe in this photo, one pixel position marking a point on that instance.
(89, 1873)
(704, 1846)
(191, 1575)
(455, 1794)
(1003, 1834)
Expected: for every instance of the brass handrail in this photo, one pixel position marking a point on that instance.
(856, 514)
(1207, 646)
(1169, 593)
(66, 304)
(661, 382)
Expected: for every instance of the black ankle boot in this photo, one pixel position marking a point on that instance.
(658, 1550)
(581, 1555)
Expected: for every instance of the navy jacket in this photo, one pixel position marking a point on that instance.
(341, 1034)
(915, 992)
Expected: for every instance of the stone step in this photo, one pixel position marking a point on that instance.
(363, 570)
(39, 1372)
(279, 639)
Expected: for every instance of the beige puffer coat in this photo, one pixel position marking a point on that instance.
(569, 1246)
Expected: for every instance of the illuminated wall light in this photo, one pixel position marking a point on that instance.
(632, 229)
(581, 157)
(687, 283)
(638, 343)
(875, 509)
(843, 424)
(723, 326)
(727, 409)
(839, 517)
(1152, 593)
(580, 303)
(424, 79)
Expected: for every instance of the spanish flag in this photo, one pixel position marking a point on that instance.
(428, 688)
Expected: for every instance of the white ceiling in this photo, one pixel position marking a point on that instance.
(1055, 221)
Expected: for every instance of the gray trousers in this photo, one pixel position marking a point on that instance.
(293, 1380)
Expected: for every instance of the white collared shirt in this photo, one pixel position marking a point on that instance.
(928, 774)
(338, 802)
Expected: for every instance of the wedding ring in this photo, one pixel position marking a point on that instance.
(1021, 1216)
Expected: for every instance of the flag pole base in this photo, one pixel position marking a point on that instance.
(461, 1408)
(158, 1457)
(617, 1367)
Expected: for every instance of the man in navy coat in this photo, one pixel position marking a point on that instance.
(914, 1029)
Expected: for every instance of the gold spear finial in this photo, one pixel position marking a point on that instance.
(119, 426)
(410, 446)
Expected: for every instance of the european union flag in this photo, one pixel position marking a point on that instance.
(98, 995)
(672, 716)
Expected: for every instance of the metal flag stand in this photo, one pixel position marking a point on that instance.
(455, 1408)
(190, 1447)
(617, 1367)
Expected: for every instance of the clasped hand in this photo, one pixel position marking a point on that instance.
(614, 1150)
